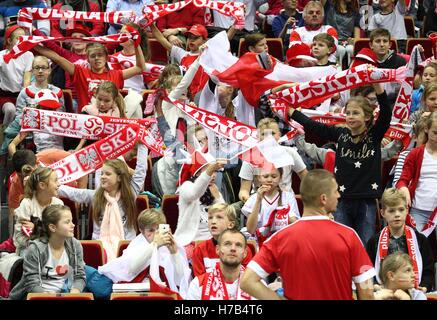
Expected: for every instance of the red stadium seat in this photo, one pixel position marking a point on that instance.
(122, 244)
(158, 52)
(142, 202)
(93, 253)
(252, 246)
(364, 43)
(410, 26)
(424, 42)
(276, 48)
(170, 209)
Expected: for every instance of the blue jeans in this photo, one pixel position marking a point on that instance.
(359, 214)
(421, 217)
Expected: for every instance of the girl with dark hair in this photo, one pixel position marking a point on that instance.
(269, 209)
(54, 260)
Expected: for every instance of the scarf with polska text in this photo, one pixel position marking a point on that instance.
(397, 131)
(116, 136)
(214, 286)
(27, 15)
(26, 43)
(151, 13)
(413, 252)
(341, 81)
(227, 8)
(81, 126)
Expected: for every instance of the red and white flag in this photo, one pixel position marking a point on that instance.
(247, 74)
(401, 109)
(267, 154)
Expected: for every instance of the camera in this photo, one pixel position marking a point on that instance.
(163, 228)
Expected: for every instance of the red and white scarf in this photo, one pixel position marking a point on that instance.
(227, 8)
(214, 286)
(430, 225)
(278, 219)
(26, 43)
(27, 15)
(150, 13)
(325, 87)
(413, 252)
(161, 258)
(88, 127)
(401, 109)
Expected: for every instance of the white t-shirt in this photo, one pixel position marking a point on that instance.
(125, 62)
(226, 22)
(177, 53)
(56, 272)
(425, 197)
(248, 171)
(195, 290)
(12, 73)
(268, 205)
(393, 21)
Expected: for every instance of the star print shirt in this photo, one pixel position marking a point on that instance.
(357, 165)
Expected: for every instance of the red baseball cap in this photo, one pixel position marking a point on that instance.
(198, 30)
(78, 28)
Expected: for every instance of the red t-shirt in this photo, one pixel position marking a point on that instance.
(317, 258)
(205, 257)
(86, 82)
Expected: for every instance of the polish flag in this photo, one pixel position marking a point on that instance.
(267, 154)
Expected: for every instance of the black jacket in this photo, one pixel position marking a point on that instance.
(425, 251)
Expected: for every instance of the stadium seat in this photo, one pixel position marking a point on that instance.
(158, 52)
(68, 100)
(142, 202)
(424, 42)
(143, 296)
(93, 253)
(170, 209)
(122, 244)
(410, 26)
(252, 246)
(267, 29)
(364, 43)
(60, 296)
(295, 183)
(276, 48)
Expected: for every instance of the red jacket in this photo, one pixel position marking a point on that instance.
(411, 170)
(184, 18)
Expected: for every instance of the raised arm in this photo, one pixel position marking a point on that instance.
(330, 132)
(77, 195)
(139, 175)
(61, 61)
(139, 66)
(12, 148)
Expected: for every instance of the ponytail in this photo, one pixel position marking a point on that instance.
(50, 215)
(121, 105)
(41, 174)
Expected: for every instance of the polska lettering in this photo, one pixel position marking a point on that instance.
(329, 85)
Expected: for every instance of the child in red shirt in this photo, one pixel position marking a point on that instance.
(86, 80)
